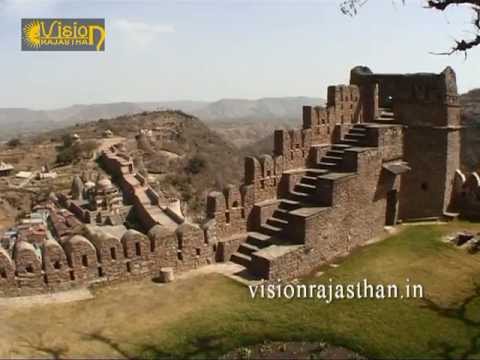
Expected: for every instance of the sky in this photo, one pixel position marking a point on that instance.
(159, 50)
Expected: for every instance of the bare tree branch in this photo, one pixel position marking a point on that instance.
(443, 4)
(350, 7)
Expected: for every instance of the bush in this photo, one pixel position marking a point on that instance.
(195, 165)
(65, 156)
(14, 143)
(76, 151)
(67, 140)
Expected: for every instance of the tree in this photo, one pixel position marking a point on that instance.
(14, 143)
(76, 152)
(67, 140)
(350, 7)
(195, 165)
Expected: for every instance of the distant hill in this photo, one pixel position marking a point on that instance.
(18, 122)
(262, 109)
(471, 105)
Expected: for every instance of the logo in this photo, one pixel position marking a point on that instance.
(63, 34)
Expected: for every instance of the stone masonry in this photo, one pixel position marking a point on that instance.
(385, 148)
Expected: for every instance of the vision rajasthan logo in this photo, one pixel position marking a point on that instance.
(63, 34)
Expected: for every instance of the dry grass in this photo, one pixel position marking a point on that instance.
(119, 320)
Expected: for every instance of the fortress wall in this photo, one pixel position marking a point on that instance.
(293, 149)
(343, 105)
(96, 257)
(417, 99)
(55, 264)
(466, 193)
(78, 211)
(231, 209)
(357, 202)
(7, 273)
(334, 231)
(139, 258)
(163, 247)
(110, 253)
(423, 188)
(28, 265)
(389, 140)
(193, 249)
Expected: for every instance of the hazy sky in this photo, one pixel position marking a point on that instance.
(206, 50)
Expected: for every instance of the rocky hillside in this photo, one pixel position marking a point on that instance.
(471, 136)
(243, 121)
(182, 156)
(471, 106)
(262, 109)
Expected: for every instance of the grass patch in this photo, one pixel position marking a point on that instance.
(206, 316)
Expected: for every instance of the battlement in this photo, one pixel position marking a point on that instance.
(385, 147)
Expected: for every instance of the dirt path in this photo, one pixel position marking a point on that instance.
(34, 300)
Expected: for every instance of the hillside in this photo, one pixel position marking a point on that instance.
(471, 105)
(184, 158)
(471, 136)
(244, 121)
(262, 109)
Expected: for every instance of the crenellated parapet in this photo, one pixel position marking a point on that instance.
(230, 209)
(466, 194)
(94, 256)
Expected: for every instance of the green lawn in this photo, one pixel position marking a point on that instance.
(376, 328)
(206, 316)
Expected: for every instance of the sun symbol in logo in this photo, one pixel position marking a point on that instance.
(31, 32)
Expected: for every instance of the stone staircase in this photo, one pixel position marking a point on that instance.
(302, 195)
(385, 116)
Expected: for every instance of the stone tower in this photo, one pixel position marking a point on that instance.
(432, 148)
(428, 107)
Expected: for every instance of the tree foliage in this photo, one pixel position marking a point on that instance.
(14, 143)
(74, 151)
(351, 7)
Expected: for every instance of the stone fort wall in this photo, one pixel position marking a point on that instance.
(270, 176)
(351, 205)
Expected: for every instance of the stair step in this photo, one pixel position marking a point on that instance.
(309, 180)
(332, 159)
(386, 113)
(340, 146)
(326, 165)
(350, 142)
(258, 239)
(271, 230)
(358, 130)
(241, 259)
(281, 214)
(280, 223)
(355, 136)
(305, 188)
(338, 153)
(299, 196)
(360, 126)
(288, 204)
(247, 249)
(315, 172)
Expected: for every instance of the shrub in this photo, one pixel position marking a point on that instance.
(14, 143)
(67, 140)
(195, 165)
(76, 151)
